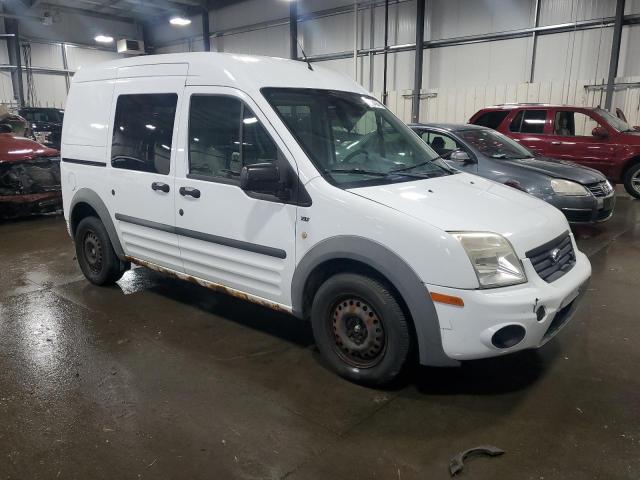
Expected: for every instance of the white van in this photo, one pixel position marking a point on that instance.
(290, 186)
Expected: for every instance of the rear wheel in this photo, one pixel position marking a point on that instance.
(360, 329)
(632, 180)
(96, 257)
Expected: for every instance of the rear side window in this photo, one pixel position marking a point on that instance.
(224, 136)
(529, 121)
(491, 119)
(143, 131)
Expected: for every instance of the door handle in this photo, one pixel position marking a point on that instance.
(163, 187)
(556, 143)
(192, 192)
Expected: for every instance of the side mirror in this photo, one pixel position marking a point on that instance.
(460, 156)
(263, 178)
(600, 132)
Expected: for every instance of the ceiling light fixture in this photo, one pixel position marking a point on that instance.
(180, 21)
(103, 39)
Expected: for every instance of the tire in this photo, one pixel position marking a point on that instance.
(632, 180)
(96, 257)
(360, 329)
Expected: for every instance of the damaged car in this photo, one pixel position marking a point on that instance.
(29, 176)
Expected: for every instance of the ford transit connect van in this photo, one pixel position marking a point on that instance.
(292, 187)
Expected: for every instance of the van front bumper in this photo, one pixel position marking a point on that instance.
(534, 313)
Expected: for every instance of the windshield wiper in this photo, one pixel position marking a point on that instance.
(404, 169)
(357, 171)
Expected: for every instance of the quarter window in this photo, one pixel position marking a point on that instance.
(224, 136)
(143, 131)
(529, 121)
(491, 119)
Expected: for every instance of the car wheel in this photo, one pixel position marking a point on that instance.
(632, 181)
(360, 329)
(96, 257)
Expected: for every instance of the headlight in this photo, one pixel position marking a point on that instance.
(493, 258)
(568, 188)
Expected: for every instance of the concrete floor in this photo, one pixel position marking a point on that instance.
(156, 378)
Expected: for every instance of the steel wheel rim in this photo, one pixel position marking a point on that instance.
(635, 181)
(92, 249)
(358, 333)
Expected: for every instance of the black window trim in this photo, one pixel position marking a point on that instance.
(299, 195)
(455, 138)
(524, 112)
(173, 132)
(574, 111)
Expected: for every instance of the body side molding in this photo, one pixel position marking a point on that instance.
(402, 276)
(206, 237)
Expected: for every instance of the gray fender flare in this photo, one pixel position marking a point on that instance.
(402, 276)
(91, 198)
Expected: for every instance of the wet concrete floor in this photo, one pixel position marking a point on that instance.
(156, 378)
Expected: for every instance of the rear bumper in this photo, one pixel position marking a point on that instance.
(469, 332)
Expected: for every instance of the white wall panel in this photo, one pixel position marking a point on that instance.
(174, 48)
(327, 35)
(631, 7)
(582, 54)
(476, 64)
(6, 88)
(564, 11)
(4, 53)
(75, 28)
(248, 13)
(51, 90)
(457, 18)
(272, 41)
(629, 64)
(78, 56)
(46, 55)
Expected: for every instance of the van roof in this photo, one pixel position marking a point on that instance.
(246, 72)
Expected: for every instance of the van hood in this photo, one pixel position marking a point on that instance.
(464, 202)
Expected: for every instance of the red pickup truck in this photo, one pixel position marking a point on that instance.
(588, 136)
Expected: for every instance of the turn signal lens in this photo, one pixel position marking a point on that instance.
(447, 299)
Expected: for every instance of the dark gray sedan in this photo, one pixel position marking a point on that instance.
(583, 194)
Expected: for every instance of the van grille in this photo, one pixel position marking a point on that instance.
(553, 259)
(600, 189)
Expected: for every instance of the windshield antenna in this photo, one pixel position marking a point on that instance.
(304, 55)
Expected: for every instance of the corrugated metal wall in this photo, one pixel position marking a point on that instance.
(459, 78)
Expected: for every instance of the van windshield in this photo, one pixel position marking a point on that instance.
(352, 139)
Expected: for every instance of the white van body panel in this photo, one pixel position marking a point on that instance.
(408, 221)
(224, 210)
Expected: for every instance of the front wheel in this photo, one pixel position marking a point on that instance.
(632, 181)
(360, 329)
(96, 257)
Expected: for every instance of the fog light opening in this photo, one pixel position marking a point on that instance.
(508, 336)
(541, 312)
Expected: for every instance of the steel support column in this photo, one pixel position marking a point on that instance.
(615, 53)
(386, 48)
(534, 48)
(293, 29)
(417, 78)
(15, 58)
(206, 30)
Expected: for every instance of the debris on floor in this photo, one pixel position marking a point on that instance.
(456, 465)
